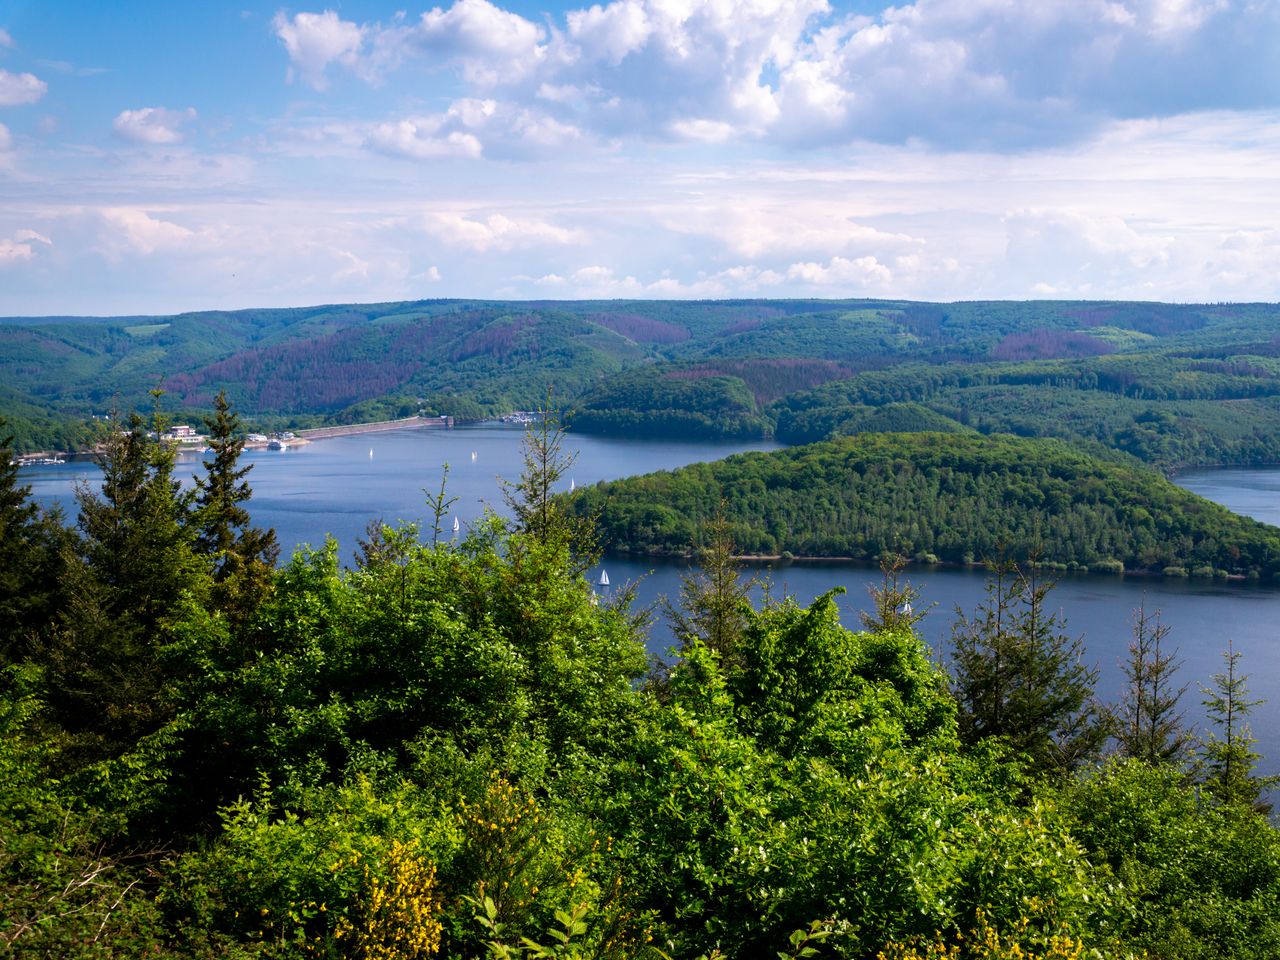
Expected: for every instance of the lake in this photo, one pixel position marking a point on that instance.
(338, 485)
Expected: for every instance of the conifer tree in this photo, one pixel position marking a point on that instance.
(1019, 677)
(896, 601)
(713, 608)
(133, 570)
(536, 512)
(31, 541)
(1227, 757)
(242, 556)
(1149, 726)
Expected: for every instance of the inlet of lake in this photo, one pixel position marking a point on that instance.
(336, 486)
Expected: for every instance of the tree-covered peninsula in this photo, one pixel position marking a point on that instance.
(957, 498)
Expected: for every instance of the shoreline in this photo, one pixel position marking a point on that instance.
(786, 560)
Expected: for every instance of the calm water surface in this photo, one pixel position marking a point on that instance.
(338, 485)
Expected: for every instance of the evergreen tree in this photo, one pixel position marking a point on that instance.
(714, 604)
(133, 571)
(535, 509)
(1148, 725)
(896, 601)
(242, 556)
(31, 541)
(1227, 758)
(1019, 677)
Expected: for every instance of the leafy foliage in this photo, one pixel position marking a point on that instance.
(447, 750)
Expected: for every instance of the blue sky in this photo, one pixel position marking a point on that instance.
(165, 157)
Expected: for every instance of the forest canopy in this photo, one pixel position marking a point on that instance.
(959, 498)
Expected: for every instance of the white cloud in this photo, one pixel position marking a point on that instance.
(6, 139)
(962, 73)
(497, 232)
(5, 39)
(135, 230)
(315, 40)
(861, 274)
(704, 131)
(423, 139)
(1080, 253)
(19, 247)
(753, 226)
(17, 89)
(491, 45)
(151, 124)
(471, 127)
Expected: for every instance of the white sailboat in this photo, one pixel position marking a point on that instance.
(473, 456)
(604, 578)
(371, 453)
(456, 526)
(572, 485)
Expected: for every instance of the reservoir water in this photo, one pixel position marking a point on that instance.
(338, 485)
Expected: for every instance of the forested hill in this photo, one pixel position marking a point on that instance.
(951, 497)
(1170, 384)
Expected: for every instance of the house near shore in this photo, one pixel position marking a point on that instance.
(182, 433)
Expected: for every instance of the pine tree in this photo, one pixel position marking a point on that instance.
(242, 556)
(535, 511)
(31, 542)
(131, 574)
(1019, 677)
(713, 608)
(896, 601)
(1148, 726)
(1227, 758)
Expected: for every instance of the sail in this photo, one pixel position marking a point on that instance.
(456, 525)
(604, 578)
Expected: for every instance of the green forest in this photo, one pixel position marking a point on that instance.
(455, 748)
(951, 497)
(1172, 385)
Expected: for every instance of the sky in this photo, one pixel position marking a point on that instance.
(163, 157)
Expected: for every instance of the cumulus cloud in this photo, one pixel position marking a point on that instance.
(315, 40)
(18, 248)
(423, 139)
(491, 45)
(5, 39)
(129, 229)
(1073, 253)
(6, 139)
(860, 274)
(151, 124)
(17, 89)
(497, 232)
(471, 127)
(957, 73)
